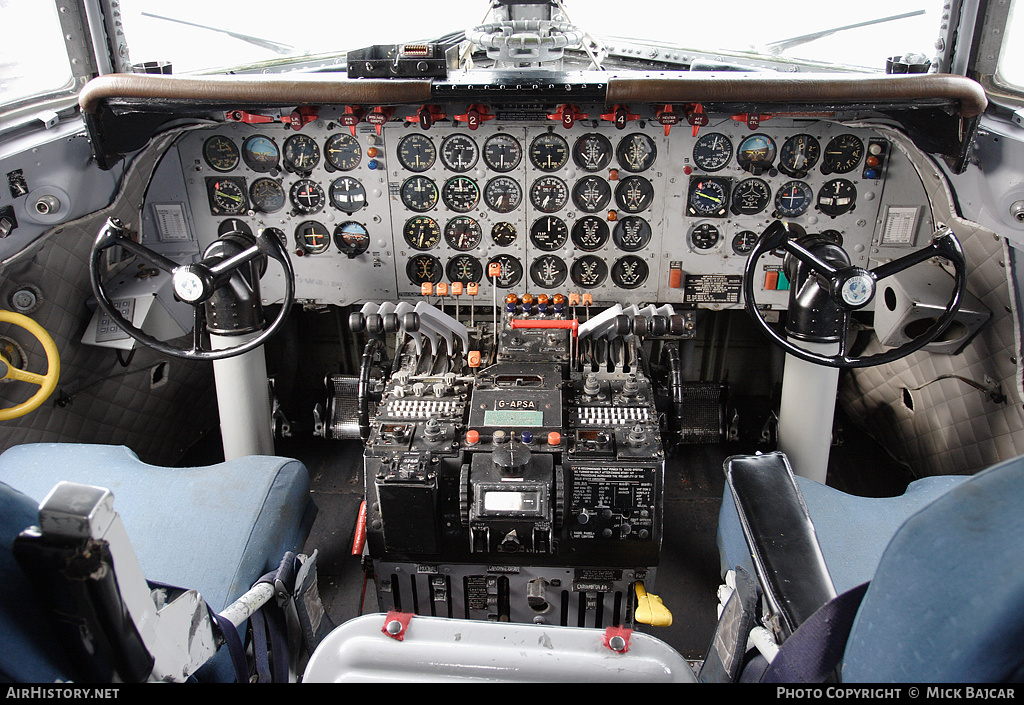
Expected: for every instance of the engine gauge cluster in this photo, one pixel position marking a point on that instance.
(630, 213)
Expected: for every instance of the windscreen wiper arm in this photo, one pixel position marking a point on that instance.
(277, 47)
(783, 44)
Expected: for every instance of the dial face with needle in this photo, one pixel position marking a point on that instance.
(422, 232)
(416, 152)
(798, 155)
(301, 153)
(708, 197)
(842, 154)
(592, 152)
(502, 152)
(227, 196)
(343, 152)
(424, 268)
(549, 152)
(634, 194)
(549, 233)
(463, 233)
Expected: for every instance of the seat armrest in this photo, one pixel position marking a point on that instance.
(783, 545)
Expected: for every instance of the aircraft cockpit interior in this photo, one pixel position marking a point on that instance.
(512, 341)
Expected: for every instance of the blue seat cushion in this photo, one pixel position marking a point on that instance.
(853, 532)
(947, 600)
(214, 529)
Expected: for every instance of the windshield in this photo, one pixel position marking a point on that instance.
(196, 35)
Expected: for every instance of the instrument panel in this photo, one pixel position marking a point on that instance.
(633, 215)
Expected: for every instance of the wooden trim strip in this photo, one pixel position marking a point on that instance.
(251, 90)
(766, 88)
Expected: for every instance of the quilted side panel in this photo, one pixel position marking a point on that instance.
(108, 403)
(953, 428)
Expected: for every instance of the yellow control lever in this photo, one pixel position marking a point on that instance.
(650, 609)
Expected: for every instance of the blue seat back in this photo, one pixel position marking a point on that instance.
(946, 603)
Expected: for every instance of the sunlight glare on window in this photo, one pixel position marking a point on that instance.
(1010, 69)
(35, 62)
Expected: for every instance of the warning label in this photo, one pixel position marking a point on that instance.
(712, 289)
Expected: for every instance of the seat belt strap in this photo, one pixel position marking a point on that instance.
(812, 652)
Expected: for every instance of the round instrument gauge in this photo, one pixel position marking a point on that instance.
(312, 237)
(343, 152)
(549, 233)
(629, 272)
(422, 232)
(750, 197)
(260, 153)
(634, 194)
(503, 194)
(511, 270)
(756, 153)
(227, 196)
(548, 271)
(301, 153)
(842, 154)
(591, 194)
(704, 236)
(798, 155)
(549, 194)
(503, 234)
(221, 153)
(636, 152)
(416, 152)
(743, 242)
(793, 199)
(631, 234)
(708, 197)
(351, 238)
(588, 271)
(347, 194)
(712, 152)
(590, 233)
(836, 197)
(549, 152)
(502, 152)
(234, 225)
(460, 194)
(463, 233)
(307, 196)
(459, 152)
(592, 152)
(464, 268)
(419, 193)
(424, 268)
(267, 195)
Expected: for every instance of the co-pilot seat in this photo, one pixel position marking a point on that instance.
(214, 529)
(943, 563)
